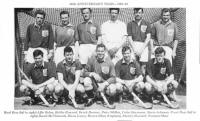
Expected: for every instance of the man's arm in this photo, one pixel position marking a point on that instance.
(175, 41)
(49, 81)
(51, 42)
(174, 48)
(77, 78)
(62, 82)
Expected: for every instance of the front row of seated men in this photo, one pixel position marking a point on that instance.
(72, 84)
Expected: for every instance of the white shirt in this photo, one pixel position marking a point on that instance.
(113, 33)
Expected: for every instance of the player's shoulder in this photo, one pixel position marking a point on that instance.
(77, 62)
(119, 62)
(166, 60)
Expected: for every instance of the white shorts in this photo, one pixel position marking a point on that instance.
(137, 47)
(30, 58)
(59, 54)
(168, 52)
(85, 52)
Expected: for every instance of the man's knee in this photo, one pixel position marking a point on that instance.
(111, 90)
(59, 89)
(87, 83)
(119, 87)
(148, 88)
(49, 89)
(172, 86)
(138, 87)
(175, 84)
(25, 90)
(80, 88)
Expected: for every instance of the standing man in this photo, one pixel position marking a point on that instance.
(88, 34)
(165, 34)
(128, 73)
(159, 76)
(139, 32)
(64, 36)
(39, 35)
(69, 71)
(41, 76)
(99, 69)
(113, 34)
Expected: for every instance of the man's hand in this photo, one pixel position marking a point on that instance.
(96, 76)
(25, 56)
(34, 87)
(120, 81)
(71, 89)
(49, 55)
(173, 54)
(102, 86)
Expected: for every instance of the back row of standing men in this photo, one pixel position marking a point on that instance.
(121, 43)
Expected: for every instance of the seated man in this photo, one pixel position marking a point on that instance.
(40, 78)
(159, 76)
(128, 73)
(99, 72)
(69, 72)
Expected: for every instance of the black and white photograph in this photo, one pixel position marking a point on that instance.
(100, 58)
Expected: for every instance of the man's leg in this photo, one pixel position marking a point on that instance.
(89, 91)
(30, 93)
(80, 93)
(59, 94)
(171, 90)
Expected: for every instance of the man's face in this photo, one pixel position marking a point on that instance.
(39, 19)
(69, 56)
(138, 14)
(160, 57)
(38, 60)
(127, 55)
(64, 19)
(86, 14)
(100, 52)
(114, 15)
(166, 17)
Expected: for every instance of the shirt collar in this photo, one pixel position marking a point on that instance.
(67, 62)
(36, 25)
(124, 62)
(35, 66)
(104, 59)
(138, 23)
(89, 21)
(155, 61)
(68, 25)
(169, 22)
(117, 21)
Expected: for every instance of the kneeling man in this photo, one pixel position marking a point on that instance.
(39, 78)
(69, 72)
(159, 76)
(129, 74)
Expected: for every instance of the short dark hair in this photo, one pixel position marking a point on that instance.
(164, 10)
(64, 12)
(137, 9)
(86, 8)
(68, 49)
(37, 53)
(100, 45)
(114, 9)
(125, 48)
(39, 11)
(159, 50)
